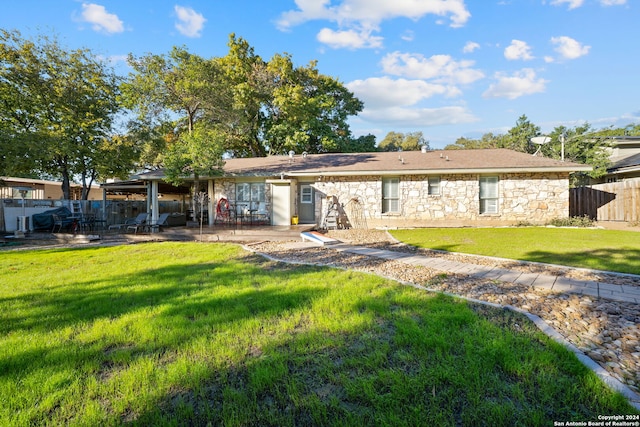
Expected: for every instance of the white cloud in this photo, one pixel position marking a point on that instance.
(569, 48)
(190, 22)
(518, 50)
(362, 17)
(373, 11)
(417, 117)
(613, 2)
(523, 82)
(441, 68)
(349, 39)
(573, 4)
(100, 19)
(408, 36)
(470, 47)
(385, 92)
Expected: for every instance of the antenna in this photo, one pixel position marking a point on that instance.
(540, 141)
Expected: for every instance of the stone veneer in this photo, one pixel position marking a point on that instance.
(525, 197)
(533, 198)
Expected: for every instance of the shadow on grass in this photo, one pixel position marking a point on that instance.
(426, 361)
(622, 260)
(407, 358)
(82, 315)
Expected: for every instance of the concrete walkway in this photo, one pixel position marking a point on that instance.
(624, 293)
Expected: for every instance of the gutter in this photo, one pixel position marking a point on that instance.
(440, 171)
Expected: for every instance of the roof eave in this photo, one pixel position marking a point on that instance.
(440, 171)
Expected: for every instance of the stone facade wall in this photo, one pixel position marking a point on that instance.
(525, 197)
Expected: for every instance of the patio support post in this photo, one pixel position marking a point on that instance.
(149, 196)
(104, 206)
(210, 207)
(154, 202)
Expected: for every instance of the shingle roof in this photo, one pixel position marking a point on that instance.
(626, 162)
(393, 163)
(400, 163)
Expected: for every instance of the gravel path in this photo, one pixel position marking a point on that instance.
(607, 331)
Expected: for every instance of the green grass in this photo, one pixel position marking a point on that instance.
(190, 334)
(610, 250)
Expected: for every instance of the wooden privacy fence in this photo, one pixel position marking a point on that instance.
(614, 201)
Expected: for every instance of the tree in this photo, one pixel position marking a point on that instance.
(247, 105)
(179, 100)
(397, 141)
(361, 144)
(279, 107)
(308, 111)
(519, 137)
(246, 82)
(57, 111)
(170, 95)
(488, 140)
(582, 144)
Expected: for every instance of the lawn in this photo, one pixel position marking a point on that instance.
(611, 250)
(191, 334)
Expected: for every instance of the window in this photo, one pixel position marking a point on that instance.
(390, 195)
(434, 186)
(250, 192)
(17, 194)
(306, 194)
(488, 194)
(243, 192)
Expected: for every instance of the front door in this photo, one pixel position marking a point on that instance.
(307, 204)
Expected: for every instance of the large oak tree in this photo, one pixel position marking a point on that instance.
(57, 108)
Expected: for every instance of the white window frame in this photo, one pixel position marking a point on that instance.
(390, 195)
(489, 194)
(433, 185)
(250, 192)
(306, 197)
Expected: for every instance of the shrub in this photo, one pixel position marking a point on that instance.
(574, 221)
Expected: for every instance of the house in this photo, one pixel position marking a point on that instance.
(391, 189)
(39, 189)
(614, 196)
(624, 157)
(23, 197)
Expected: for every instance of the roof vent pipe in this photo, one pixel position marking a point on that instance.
(423, 148)
(291, 154)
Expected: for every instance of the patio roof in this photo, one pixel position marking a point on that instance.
(138, 186)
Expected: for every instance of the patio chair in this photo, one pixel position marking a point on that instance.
(59, 222)
(138, 220)
(139, 223)
(155, 225)
(262, 214)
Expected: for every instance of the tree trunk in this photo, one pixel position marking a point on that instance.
(194, 202)
(66, 186)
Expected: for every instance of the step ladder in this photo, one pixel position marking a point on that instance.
(331, 218)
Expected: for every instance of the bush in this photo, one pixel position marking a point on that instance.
(574, 221)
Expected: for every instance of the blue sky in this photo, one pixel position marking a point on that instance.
(448, 68)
